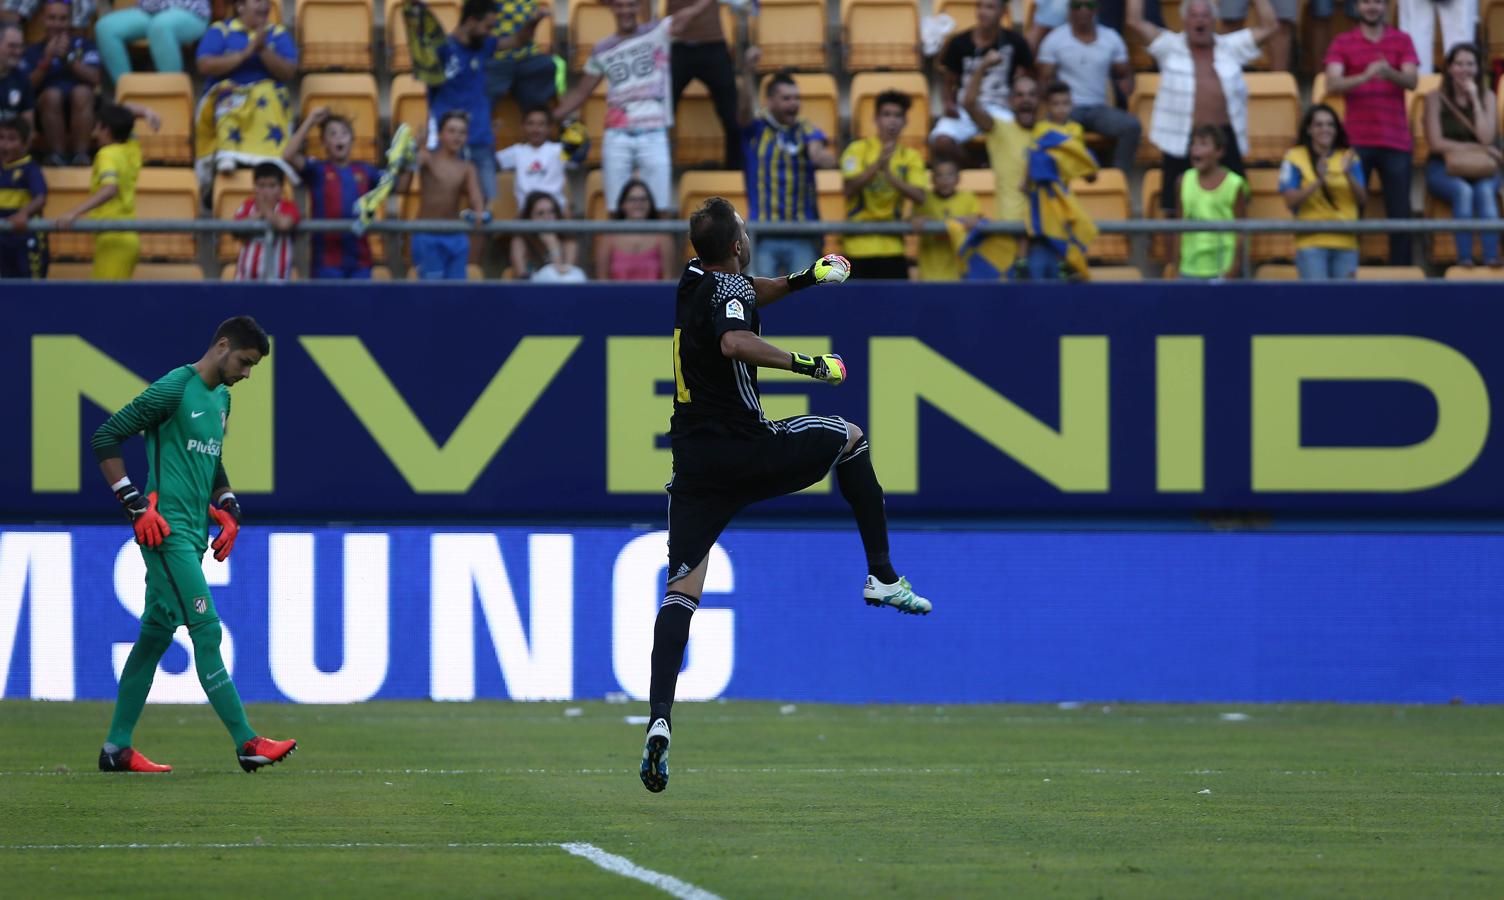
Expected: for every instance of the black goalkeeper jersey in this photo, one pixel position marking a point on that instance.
(714, 394)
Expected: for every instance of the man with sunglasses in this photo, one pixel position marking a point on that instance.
(1083, 54)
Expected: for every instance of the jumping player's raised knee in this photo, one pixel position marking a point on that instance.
(853, 437)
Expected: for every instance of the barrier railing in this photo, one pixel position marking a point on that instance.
(1129, 227)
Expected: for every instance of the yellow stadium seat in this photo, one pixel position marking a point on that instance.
(1115, 273)
(1273, 115)
(1141, 104)
(593, 117)
(334, 34)
(1492, 18)
(819, 102)
(1473, 273)
(1276, 272)
(1441, 247)
(352, 96)
(67, 188)
(1337, 102)
(227, 273)
(866, 86)
(506, 121)
(1267, 203)
(231, 190)
(880, 34)
(589, 24)
(1415, 102)
(399, 58)
(543, 35)
(831, 202)
(1374, 248)
(71, 271)
(595, 197)
(1391, 273)
(964, 12)
(167, 194)
(148, 271)
(698, 186)
(697, 138)
(982, 183)
(171, 97)
(408, 101)
(792, 35)
(381, 273)
(728, 23)
(1150, 190)
(1105, 200)
(504, 207)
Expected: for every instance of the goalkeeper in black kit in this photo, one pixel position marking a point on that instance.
(727, 454)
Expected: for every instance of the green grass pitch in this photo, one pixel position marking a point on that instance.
(421, 799)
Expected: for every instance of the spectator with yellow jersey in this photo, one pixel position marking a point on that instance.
(939, 259)
(112, 189)
(1322, 180)
(879, 176)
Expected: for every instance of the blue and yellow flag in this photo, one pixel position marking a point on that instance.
(984, 257)
(248, 123)
(425, 35)
(1055, 159)
(399, 158)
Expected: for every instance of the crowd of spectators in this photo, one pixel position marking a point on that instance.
(1027, 101)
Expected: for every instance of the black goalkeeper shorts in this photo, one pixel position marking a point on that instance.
(715, 477)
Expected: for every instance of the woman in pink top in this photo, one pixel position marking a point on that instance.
(634, 256)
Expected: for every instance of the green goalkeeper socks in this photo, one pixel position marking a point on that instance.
(135, 682)
(216, 682)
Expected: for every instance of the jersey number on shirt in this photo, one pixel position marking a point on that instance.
(683, 392)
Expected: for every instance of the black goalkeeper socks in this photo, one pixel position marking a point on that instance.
(859, 487)
(670, 635)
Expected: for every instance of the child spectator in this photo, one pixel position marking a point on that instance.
(1210, 192)
(65, 73)
(540, 163)
(112, 189)
(938, 257)
(23, 193)
(544, 256)
(1057, 112)
(267, 257)
(635, 256)
(334, 187)
(449, 181)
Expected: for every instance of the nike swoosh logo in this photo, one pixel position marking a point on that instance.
(197, 414)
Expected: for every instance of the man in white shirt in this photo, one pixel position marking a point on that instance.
(1083, 54)
(1201, 83)
(639, 111)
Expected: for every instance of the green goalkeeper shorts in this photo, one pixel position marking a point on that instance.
(176, 593)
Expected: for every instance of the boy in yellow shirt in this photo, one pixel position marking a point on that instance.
(112, 188)
(938, 259)
(879, 176)
(1057, 112)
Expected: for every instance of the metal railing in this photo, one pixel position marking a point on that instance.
(586, 227)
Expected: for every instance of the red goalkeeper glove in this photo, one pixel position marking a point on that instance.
(227, 514)
(148, 524)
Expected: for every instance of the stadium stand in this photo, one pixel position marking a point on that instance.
(595, 196)
(697, 137)
(145, 271)
(982, 183)
(334, 34)
(588, 24)
(865, 86)
(1141, 104)
(1276, 272)
(792, 35)
(1273, 115)
(504, 207)
(593, 116)
(167, 194)
(1115, 273)
(171, 96)
(1337, 102)
(963, 12)
(880, 34)
(67, 187)
(1391, 273)
(407, 102)
(1441, 248)
(1105, 199)
(350, 95)
(1267, 203)
(1473, 273)
(697, 187)
(1415, 102)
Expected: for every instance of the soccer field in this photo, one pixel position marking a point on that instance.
(765, 799)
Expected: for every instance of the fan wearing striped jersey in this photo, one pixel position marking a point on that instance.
(728, 455)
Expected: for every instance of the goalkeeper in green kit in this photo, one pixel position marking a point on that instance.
(183, 415)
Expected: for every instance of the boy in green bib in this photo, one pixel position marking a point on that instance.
(1210, 192)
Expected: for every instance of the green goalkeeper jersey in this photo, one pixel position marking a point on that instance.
(184, 422)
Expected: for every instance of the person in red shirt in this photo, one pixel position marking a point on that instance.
(1373, 65)
(263, 257)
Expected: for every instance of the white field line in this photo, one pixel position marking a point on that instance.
(772, 770)
(624, 867)
(616, 865)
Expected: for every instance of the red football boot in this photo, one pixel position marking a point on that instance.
(128, 759)
(260, 751)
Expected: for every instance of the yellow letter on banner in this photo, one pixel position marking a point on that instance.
(428, 467)
(1073, 459)
(1180, 413)
(636, 413)
(1281, 364)
(66, 368)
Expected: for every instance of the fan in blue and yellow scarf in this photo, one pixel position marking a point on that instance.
(245, 115)
(1059, 229)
